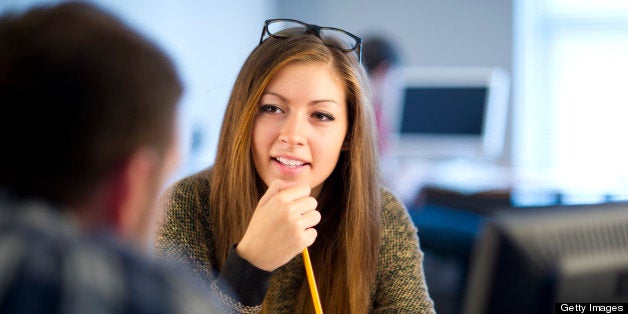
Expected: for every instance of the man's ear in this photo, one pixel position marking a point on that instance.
(133, 190)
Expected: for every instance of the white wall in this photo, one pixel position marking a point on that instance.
(428, 32)
(208, 41)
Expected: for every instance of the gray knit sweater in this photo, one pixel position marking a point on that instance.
(184, 235)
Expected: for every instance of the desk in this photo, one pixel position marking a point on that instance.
(480, 181)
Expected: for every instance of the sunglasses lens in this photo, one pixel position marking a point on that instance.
(338, 39)
(286, 28)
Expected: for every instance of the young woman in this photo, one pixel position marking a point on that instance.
(296, 167)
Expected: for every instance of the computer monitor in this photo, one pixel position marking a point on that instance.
(527, 260)
(452, 112)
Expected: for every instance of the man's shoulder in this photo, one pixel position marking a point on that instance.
(44, 258)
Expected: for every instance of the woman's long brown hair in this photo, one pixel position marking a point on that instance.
(345, 253)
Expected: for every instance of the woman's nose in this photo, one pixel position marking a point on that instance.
(293, 131)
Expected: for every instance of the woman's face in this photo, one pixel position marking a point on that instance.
(300, 126)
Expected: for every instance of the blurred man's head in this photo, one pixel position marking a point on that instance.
(87, 114)
(378, 54)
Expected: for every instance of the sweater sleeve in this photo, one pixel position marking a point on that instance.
(184, 237)
(247, 283)
(401, 286)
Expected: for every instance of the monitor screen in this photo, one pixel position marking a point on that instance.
(444, 110)
(452, 112)
(527, 260)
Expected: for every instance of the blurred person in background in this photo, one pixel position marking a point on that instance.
(382, 62)
(87, 125)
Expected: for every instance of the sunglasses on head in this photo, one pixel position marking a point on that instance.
(331, 36)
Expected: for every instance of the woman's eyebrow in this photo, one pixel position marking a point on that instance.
(284, 99)
(314, 102)
(311, 103)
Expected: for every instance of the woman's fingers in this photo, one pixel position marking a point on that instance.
(281, 226)
(302, 205)
(273, 189)
(310, 218)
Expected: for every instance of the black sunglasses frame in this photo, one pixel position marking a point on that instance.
(314, 29)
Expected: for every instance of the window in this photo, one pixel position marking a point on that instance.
(571, 87)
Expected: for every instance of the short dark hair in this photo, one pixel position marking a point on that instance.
(79, 92)
(376, 50)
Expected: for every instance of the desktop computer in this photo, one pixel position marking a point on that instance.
(528, 259)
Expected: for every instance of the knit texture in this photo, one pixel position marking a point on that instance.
(184, 236)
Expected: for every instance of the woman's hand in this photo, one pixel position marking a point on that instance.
(281, 226)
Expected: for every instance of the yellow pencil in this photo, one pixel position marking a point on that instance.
(310, 279)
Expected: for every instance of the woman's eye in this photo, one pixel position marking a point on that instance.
(323, 116)
(270, 109)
